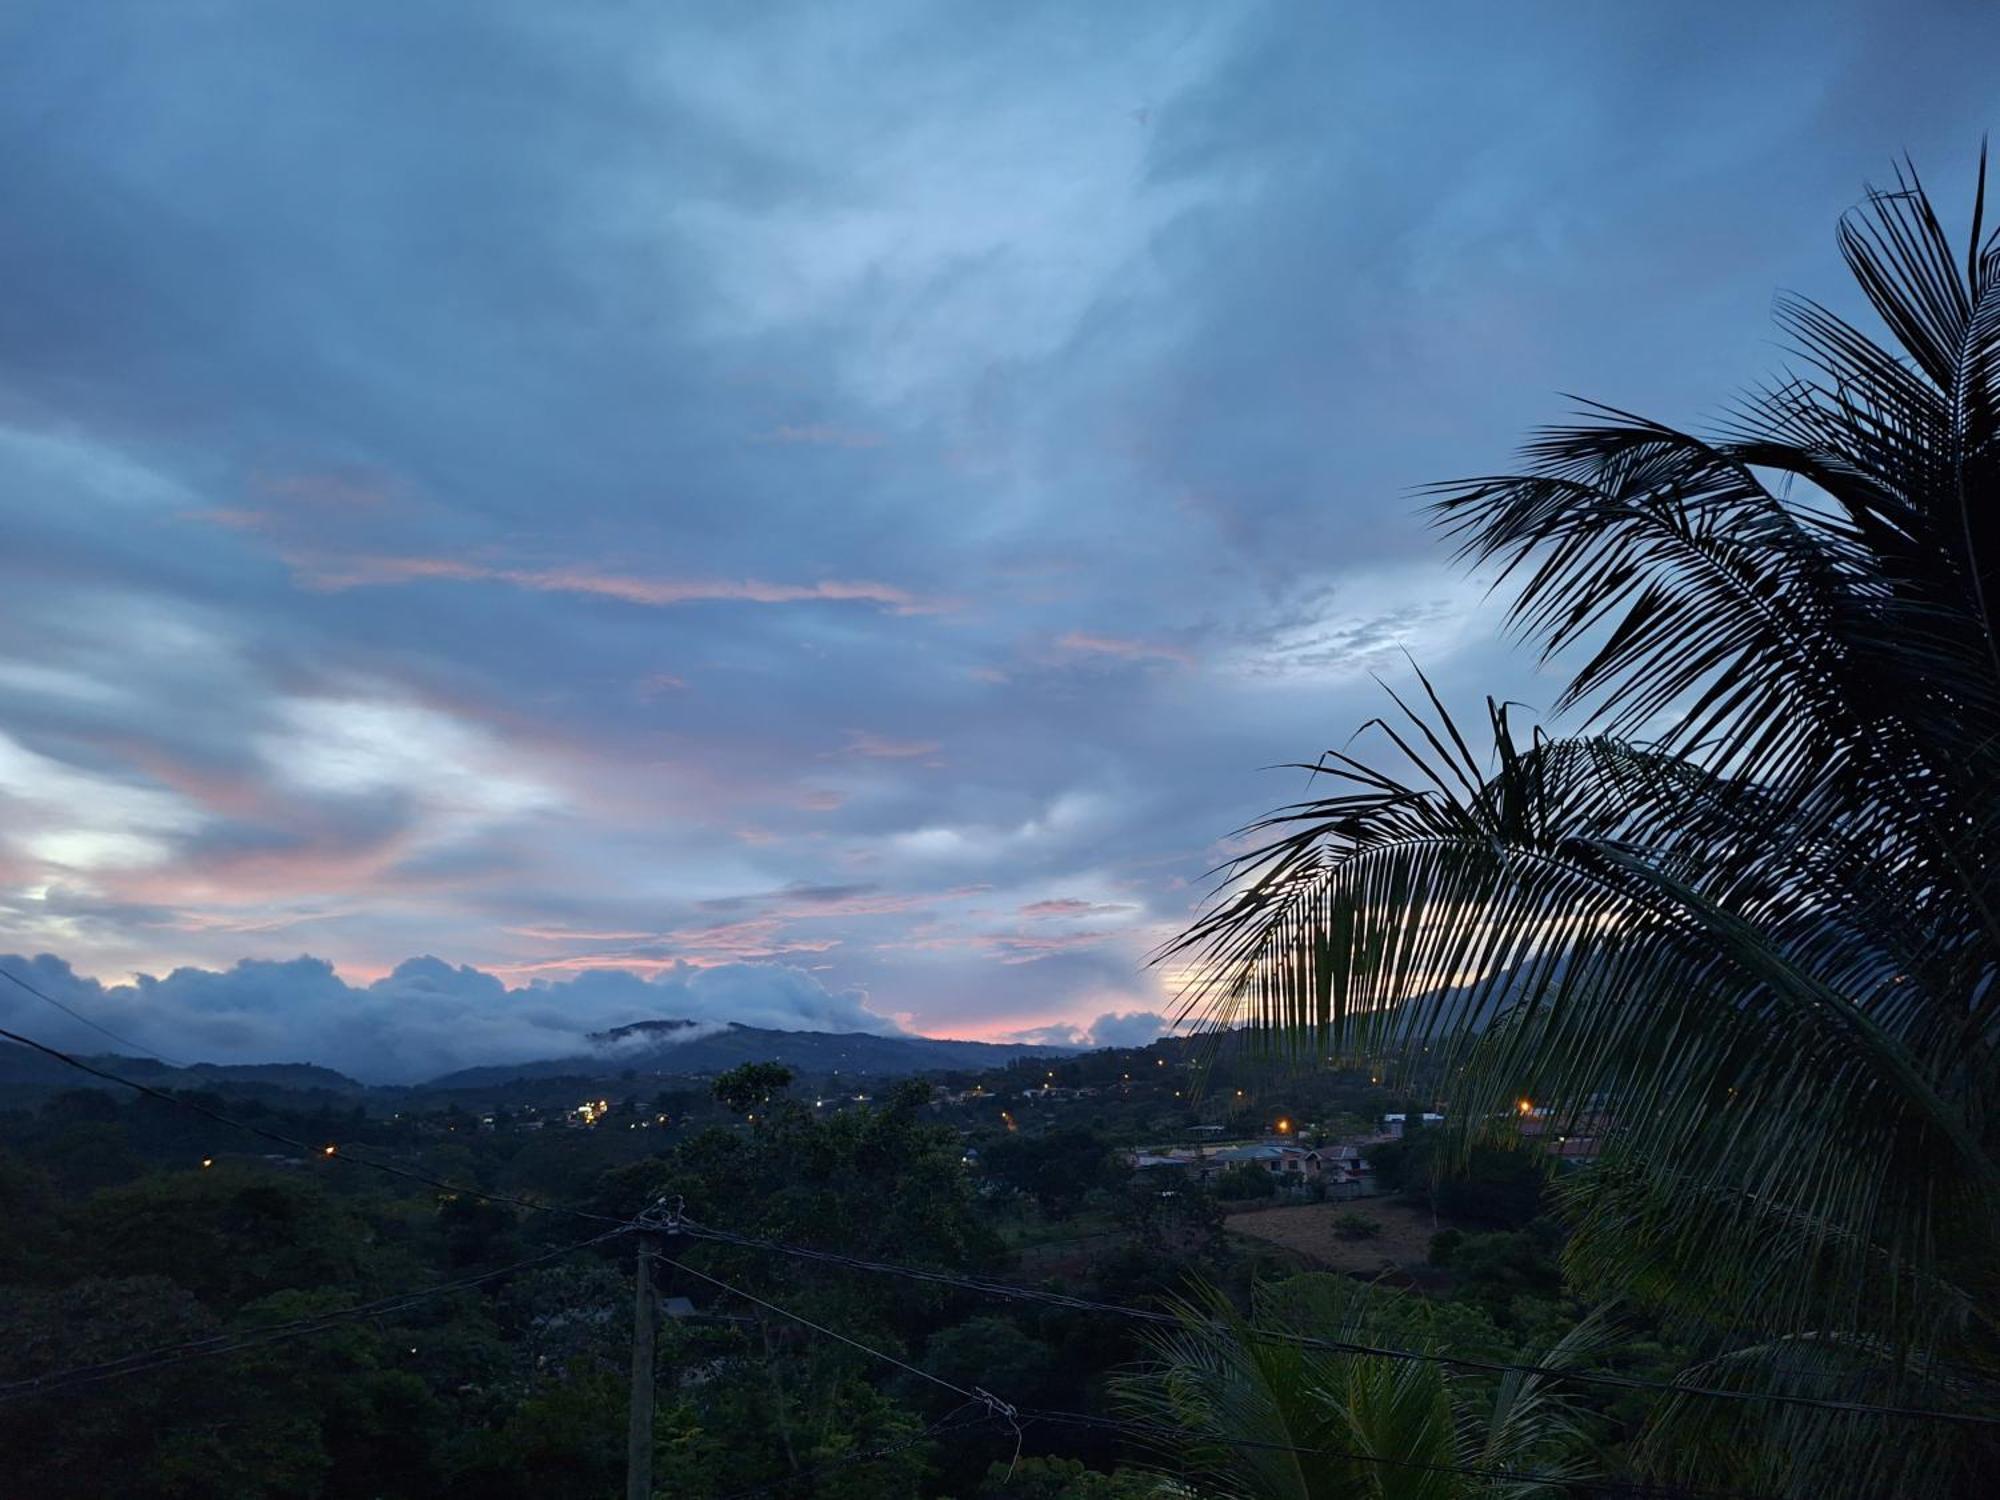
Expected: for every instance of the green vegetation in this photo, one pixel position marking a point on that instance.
(1216, 1381)
(1743, 924)
(1354, 1226)
(516, 1387)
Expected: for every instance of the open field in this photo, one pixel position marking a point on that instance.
(1306, 1230)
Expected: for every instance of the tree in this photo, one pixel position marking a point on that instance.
(1257, 1418)
(1750, 910)
(1245, 1180)
(749, 1086)
(1057, 1169)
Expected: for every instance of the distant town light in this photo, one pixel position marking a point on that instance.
(1284, 1127)
(208, 1161)
(1526, 1106)
(327, 1150)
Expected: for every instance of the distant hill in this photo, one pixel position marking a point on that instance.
(26, 1075)
(658, 1047)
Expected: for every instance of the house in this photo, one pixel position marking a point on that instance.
(1394, 1125)
(1294, 1163)
(1345, 1163)
(1574, 1140)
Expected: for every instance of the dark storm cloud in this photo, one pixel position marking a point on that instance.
(853, 489)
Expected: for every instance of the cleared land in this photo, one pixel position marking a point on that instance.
(1306, 1230)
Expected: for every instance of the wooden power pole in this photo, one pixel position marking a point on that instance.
(645, 1334)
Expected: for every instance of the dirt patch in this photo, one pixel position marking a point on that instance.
(1306, 1230)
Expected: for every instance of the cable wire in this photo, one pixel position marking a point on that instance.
(233, 1341)
(1003, 1410)
(1006, 1289)
(803, 1320)
(79, 1016)
(947, 1423)
(328, 1151)
(1161, 1432)
(1018, 1417)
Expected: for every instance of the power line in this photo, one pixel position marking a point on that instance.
(982, 1397)
(326, 1151)
(1182, 1435)
(1016, 1416)
(995, 1407)
(948, 1423)
(232, 1342)
(79, 1016)
(1006, 1289)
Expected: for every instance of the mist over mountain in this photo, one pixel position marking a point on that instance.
(297, 1024)
(661, 1048)
(680, 1047)
(425, 1018)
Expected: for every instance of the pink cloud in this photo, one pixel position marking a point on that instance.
(1070, 906)
(1085, 643)
(232, 518)
(1007, 947)
(658, 593)
(881, 747)
(809, 904)
(572, 935)
(329, 491)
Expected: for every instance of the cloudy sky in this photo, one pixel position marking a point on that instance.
(812, 514)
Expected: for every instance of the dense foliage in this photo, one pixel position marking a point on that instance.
(1750, 914)
(122, 1240)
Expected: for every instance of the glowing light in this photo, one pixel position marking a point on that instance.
(208, 1161)
(328, 1150)
(1526, 1106)
(1284, 1127)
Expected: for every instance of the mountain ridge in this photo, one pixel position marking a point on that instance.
(660, 1046)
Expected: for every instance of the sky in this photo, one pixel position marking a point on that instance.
(519, 518)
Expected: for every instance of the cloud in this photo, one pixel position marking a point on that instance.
(1133, 1028)
(1085, 643)
(337, 574)
(1073, 907)
(948, 402)
(824, 434)
(77, 820)
(424, 1018)
(881, 747)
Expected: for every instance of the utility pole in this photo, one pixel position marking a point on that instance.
(645, 1334)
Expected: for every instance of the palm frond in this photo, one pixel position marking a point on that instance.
(1753, 912)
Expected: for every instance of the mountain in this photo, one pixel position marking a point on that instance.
(648, 1048)
(21, 1068)
(664, 1047)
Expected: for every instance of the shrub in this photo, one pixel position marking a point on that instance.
(1243, 1181)
(1354, 1226)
